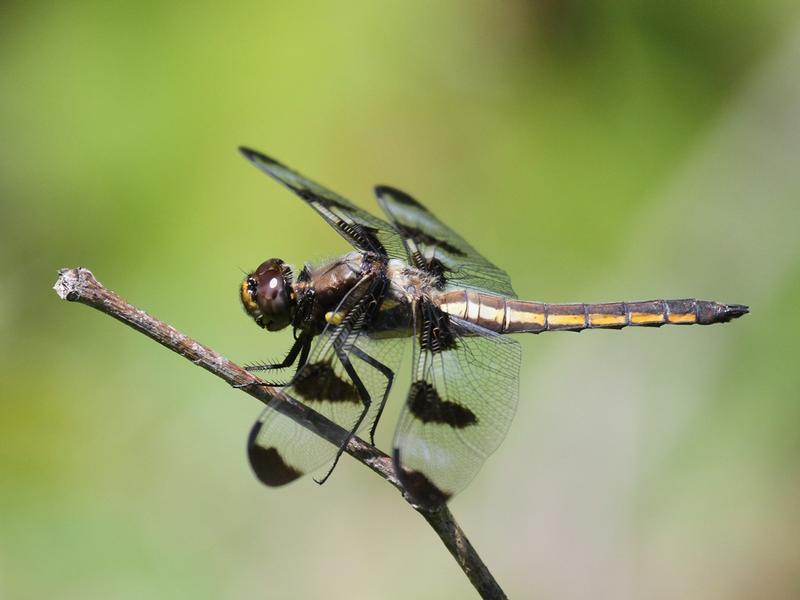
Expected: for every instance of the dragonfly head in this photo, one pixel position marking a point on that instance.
(267, 295)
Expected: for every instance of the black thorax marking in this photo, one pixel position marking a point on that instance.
(436, 330)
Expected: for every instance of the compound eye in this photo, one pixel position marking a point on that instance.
(268, 296)
(270, 290)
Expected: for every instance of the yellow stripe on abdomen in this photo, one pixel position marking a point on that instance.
(519, 318)
(556, 321)
(604, 320)
(640, 318)
(682, 318)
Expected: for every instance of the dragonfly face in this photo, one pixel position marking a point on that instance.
(267, 295)
(410, 278)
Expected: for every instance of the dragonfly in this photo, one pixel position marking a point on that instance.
(408, 278)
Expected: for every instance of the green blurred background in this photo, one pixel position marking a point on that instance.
(598, 151)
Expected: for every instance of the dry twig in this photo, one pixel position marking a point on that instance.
(79, 285)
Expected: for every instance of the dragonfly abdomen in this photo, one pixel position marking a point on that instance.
(505, 315)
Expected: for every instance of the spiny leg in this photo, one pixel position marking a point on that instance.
(304, 354)
(294, 351)
(366, 400)
(386, 372)
(301, 347)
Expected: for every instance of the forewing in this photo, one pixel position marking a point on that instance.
(281, 450)
(459, 407)
(440, 249)
(363, 230)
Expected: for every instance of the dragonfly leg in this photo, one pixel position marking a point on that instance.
(361, 313)
(366, 400)
(300, 348)
(386, 372)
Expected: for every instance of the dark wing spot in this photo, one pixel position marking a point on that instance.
(318, 382)
(425, 403)
(420, 237)
(419, 487)
(398, 196)
(436, 334)
(267, 463)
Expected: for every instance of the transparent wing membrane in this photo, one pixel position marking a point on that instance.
(363, 230)
(459, 408)
(434, 247)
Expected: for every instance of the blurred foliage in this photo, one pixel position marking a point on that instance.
(597, 151)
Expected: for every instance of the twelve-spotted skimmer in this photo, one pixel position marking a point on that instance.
(410, 277)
